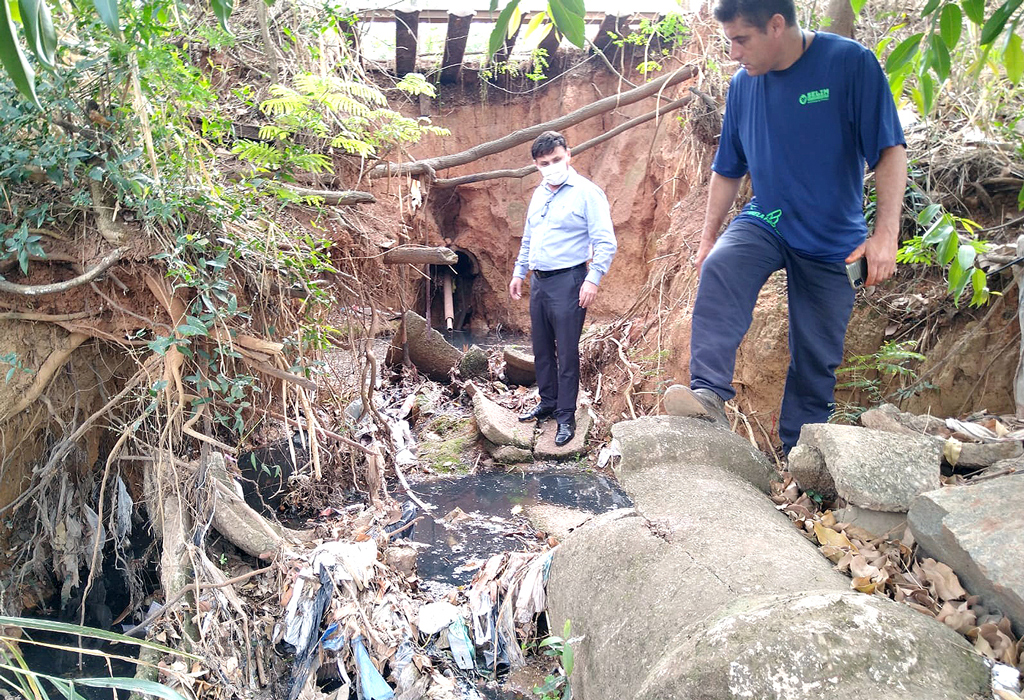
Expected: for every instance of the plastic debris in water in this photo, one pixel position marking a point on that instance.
(461, 645)
(372, 685)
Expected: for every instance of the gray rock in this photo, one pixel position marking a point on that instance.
(545, 447)
(500, 425)
(647, 587)
(507, 454)
(877, 522)
(839, 645)
(875, 469)
(428, 350)
(985, 454)
(474, 364)
(659, 441)
(519, 368)
(978, 530)
(807, 465)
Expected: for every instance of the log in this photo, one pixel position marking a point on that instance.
(406, 29)
(420, 255)
(516, 138)
(335, 197)
(597, 140)
(455, 45)
(1018, 380)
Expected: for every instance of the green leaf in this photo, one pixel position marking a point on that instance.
(994, 26)
(965, 256)
(940, 57)
(39, 31)
(107, 10)
(223, 9)
(1020, 200)
(497, 39)
(567, 659)
(948, 248)
(928, 214)
(78, 630)
(535, 22)
(1013, 59)
(978, 283)
(903, 53)
(930, 7)
(568, 19)
(951, 24)
(974, 9)
(927, 86)
(13, 58)
(857, 5)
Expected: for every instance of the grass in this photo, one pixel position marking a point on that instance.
(448, 455)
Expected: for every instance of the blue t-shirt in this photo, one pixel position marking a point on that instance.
(804, 134)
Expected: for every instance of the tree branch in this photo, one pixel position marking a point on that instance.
(516, 138)
(54, 288)
(334, 197)
(597, 140)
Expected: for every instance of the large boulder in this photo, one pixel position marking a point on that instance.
(675, 598)
(873, 468)
(978, 530)
(839, 645)
(428, 350)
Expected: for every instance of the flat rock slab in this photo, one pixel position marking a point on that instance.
(658, 441)
(507, 454)
(545, 447)
(879, 523)
(500, 425)
(978, 530)
(428, 350)
(556, 520)
(839, 645)
(519, 367)
(873, 468)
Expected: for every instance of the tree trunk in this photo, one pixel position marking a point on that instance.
(841, 14)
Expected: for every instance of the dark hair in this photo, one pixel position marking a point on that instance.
(546, 143)
(755, 12)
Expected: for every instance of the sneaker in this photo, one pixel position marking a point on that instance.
(696, 403)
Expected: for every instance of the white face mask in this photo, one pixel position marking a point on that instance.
(556, 173)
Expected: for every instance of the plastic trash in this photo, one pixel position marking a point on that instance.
(409, 513)
(434, 617)
(405, 673)
(372, 685)
(461, 645)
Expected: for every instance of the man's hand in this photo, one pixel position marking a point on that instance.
(702, 253)
(588, 292)
(515, 288)
(880, 251)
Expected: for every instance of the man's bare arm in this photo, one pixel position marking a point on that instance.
(890, 185)
(722, 193)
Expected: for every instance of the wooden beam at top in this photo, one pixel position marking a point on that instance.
(406, 28)
(455, 46)
(483, 15)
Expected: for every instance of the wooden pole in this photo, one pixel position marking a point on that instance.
(449, 310)
(1018, 380)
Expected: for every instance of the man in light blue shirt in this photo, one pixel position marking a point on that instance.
(568, 223)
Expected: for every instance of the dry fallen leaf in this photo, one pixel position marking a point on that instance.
(941, 577)
(827, 535)
(959, 617)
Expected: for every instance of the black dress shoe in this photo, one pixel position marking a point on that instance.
(566, 432)
(539, 413)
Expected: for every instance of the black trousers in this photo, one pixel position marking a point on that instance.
(556, 321)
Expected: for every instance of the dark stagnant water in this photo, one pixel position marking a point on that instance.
(490, 498)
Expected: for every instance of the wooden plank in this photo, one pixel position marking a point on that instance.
(420, 255)
(455, 46)
(406, 28)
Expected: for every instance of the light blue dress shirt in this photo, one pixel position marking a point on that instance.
(567, 227)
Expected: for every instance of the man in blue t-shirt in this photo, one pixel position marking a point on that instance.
(805, 113)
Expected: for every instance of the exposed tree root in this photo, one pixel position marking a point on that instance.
(56, 287)
(54, 362)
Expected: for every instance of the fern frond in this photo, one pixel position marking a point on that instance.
(287, 101)
(260, 154)
(353, 146)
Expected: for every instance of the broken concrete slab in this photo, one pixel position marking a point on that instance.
(861, 646)
(985, 454)
(545, 447)
(807, 465)
(507, 454)
(873, 468)
(497, 423)
(428, 350)
(680, 566)
(519, 368)
(556, 520)
(679, 441)
(879, 523)
(978, 530)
